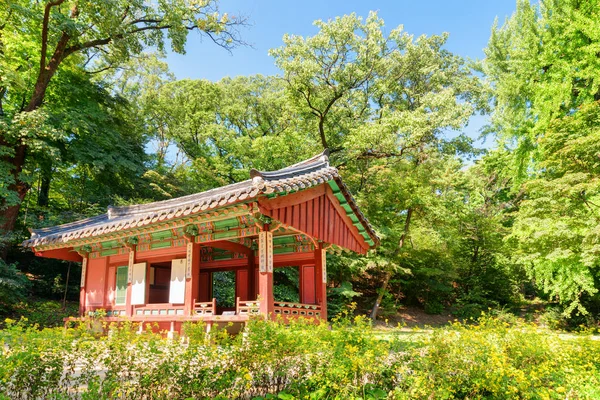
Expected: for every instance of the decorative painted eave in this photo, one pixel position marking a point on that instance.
(303, 175)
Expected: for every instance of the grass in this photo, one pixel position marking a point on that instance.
(43, 312)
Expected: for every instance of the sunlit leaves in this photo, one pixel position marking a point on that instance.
(544, 67)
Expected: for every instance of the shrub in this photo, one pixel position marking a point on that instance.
(45, 313)
(494, 360)
(490, 359)
(339, 298)
(13, 286)
(554, 317)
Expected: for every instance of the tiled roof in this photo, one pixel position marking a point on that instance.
(308, 173)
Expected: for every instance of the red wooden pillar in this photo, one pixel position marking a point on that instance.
(192, 273)
(241, 284)
(251, 278)
(105, 303)
(321, 279)
(128, 307)
(265, 272)
(82, 285)
(204, 287)
(308, 284)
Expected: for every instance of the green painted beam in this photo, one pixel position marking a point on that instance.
(160, 245)
(110, 252)
(109, 244)
(334, 186)
(284, 250)
(226, 223)
(225, 234)
(161, 235)
(283, 240)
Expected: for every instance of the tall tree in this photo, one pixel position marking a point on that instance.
(99, 153)
(225, 128)
(334, 70)
(36, 39)
(544, 66)
(384, 104)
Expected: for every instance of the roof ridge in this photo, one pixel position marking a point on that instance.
(73, 224)
(118, 211)
(314, 163)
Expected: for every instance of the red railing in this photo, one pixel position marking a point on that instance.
(205, 308)
(247, 307)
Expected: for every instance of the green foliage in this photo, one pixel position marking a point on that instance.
(544, 68)
(495, 360)
(491, 359)
(225, 128)
(339, 298)
(286, 281)
(430, 283)
(42, 312)
(223, 287)
(41, 41)
(13, 287)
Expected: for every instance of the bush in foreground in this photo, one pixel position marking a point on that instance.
(490, 360)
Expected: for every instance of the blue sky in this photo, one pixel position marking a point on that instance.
(468, 22)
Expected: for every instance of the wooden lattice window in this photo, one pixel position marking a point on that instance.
(121, 286)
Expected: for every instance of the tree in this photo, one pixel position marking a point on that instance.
(334, 69)
(13, 286)
(555, 232)
(384, 104)
(543, 64)
(37, 39)
(226, 128)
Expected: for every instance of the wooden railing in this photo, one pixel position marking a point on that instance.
(110, 311)
(205, 308)
(288, 309)
(158, 310)
(247, 307)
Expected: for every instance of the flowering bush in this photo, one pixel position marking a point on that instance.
(301, 360)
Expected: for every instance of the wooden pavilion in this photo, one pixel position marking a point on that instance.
(154, 262)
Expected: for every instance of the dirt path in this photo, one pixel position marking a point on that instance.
(414, 317)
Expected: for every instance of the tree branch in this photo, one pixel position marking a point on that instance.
(45, 23)
(110, 66)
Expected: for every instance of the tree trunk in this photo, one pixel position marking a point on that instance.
(44, 195)
(9, 214)
(322, 132)
(382, 289)
(388, 273)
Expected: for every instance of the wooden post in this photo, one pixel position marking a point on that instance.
(171, 332)
(82, 286)
(321, 279)
(64, 302)
(251, 276)
(192, 274)
(265, 273)
(128, 307)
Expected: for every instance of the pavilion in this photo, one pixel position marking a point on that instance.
(154, 262)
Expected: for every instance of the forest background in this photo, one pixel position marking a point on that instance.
(90, 115)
